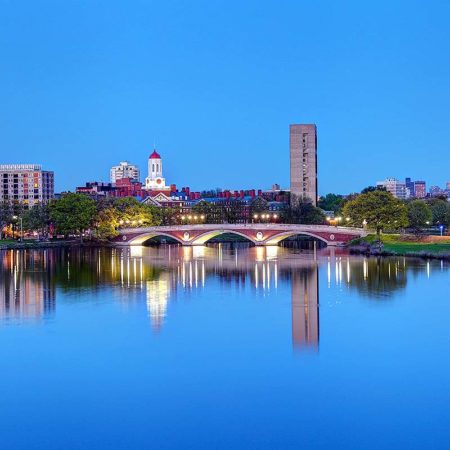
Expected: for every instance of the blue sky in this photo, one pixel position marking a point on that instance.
(85, 84)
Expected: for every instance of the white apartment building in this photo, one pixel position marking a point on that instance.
(395, 187)
(25, 184)
(124, 170)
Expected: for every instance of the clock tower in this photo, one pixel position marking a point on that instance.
(155, 179)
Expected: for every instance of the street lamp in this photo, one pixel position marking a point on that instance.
(441, 228)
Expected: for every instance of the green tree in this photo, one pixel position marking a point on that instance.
(72, 213)
(373, 189)
(258, 205)
(440, 210)
(419, 214)
(37, 219)
(128, 212)
(212, 213)
(302, 211)
(331, 202)
(133, 213)
(234, 211)
(6, 214)
(378, 209)
(168, 216)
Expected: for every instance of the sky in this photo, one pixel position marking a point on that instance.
(215, 84)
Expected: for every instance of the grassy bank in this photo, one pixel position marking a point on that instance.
(7, 244)
(404, 244)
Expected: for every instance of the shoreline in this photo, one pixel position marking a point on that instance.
(46, 245)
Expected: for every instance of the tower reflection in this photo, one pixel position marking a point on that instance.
(305, 307)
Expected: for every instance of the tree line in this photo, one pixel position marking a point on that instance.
(77, 215)
(380, 210)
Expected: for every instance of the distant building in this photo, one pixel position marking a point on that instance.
(410, 192)
(97, 189)
(448, 186)
(26, 184)
(303, 162)
(155, 179)
(124, 170)
(420, 189)
(436, 191)
(395, 187)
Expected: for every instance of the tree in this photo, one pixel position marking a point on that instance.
(72, 213)
(127, 211)
(378, 209)
(6, 214)
(37, 219)
(440, 210)
(212, 213)
(134, 213)
(331, 202)
(258, 205)
(419, 214)
(302, 211)
(168, 216)
(234, 211)
(373, 189)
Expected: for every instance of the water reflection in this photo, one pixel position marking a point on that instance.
(29, 280)
(26, 287)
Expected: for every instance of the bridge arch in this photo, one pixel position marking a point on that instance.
(277, 238)
(205, 237)
(143, 238)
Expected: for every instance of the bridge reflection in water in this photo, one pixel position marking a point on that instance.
(30, 280)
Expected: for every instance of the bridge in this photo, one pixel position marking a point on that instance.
(258, 234)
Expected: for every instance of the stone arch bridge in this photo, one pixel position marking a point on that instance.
(258, 234)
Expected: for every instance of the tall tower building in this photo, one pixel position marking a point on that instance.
(303, 158)
(124, 170)
(155, 179)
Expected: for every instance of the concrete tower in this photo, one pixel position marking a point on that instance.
(303, 156)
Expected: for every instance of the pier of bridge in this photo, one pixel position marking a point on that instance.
(258, 234)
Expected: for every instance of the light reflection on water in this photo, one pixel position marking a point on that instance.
(189, 338)
(30, 278)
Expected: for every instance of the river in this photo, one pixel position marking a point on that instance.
(223, 348)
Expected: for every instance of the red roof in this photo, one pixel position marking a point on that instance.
(154, 155)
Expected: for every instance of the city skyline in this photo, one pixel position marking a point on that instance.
(89, 99)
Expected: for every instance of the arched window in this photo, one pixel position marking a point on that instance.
(157, 167)
(153, 167)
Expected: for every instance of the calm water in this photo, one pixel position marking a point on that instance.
(214, 348)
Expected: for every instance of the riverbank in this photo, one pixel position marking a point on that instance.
(403, 245)
(9, 244)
